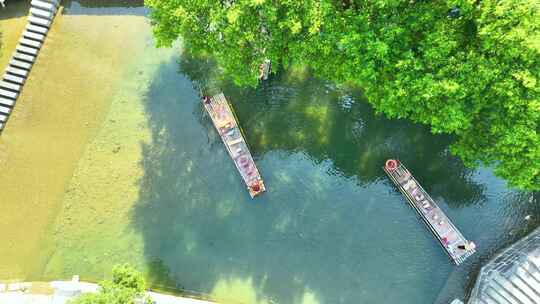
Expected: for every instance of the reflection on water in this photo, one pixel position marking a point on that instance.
(156, 188)
(330, 123)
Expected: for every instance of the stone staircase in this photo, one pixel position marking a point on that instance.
(42, 13)
(513, 276)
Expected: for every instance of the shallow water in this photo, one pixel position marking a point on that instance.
(56, 115)
(118, 163)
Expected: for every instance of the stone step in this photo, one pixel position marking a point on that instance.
(8, 94)
(510, 292)
(13, 78)
(20, 64)
(27, 50)
(35, 36)
(55, 3)
(493, 294)
(488, 300)
(41, 13)
(1, 126)
(31, 43)
(24, 57)
(535, 261)
(526, 277)
(3, 117)
(37, 29)
(39, 21)
(5, 110)
(43, 5)
(531, 270)
(16, 71)
(503, 293)
(9, 85)
(526, 289)
(6, 102)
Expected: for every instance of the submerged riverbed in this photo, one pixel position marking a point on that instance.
(109, 158)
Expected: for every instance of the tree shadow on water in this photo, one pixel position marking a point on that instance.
(329, 123)
(280, 248)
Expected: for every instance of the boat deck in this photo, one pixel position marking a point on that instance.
(454, 243)
(225, 122)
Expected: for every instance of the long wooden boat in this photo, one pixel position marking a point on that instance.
(224, 120)
(453, 242)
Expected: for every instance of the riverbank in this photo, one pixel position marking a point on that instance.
(60, 292)
(67, 103)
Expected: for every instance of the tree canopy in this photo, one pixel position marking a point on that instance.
(463, 67)
(126, 285)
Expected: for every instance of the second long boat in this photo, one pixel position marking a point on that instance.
(224, 120)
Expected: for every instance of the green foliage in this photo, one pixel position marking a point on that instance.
(126, 285)
(469, 68)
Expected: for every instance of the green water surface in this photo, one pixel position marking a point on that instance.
(154, 186)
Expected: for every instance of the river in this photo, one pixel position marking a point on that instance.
(109, 158)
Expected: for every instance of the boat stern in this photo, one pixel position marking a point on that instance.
(256, 188)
